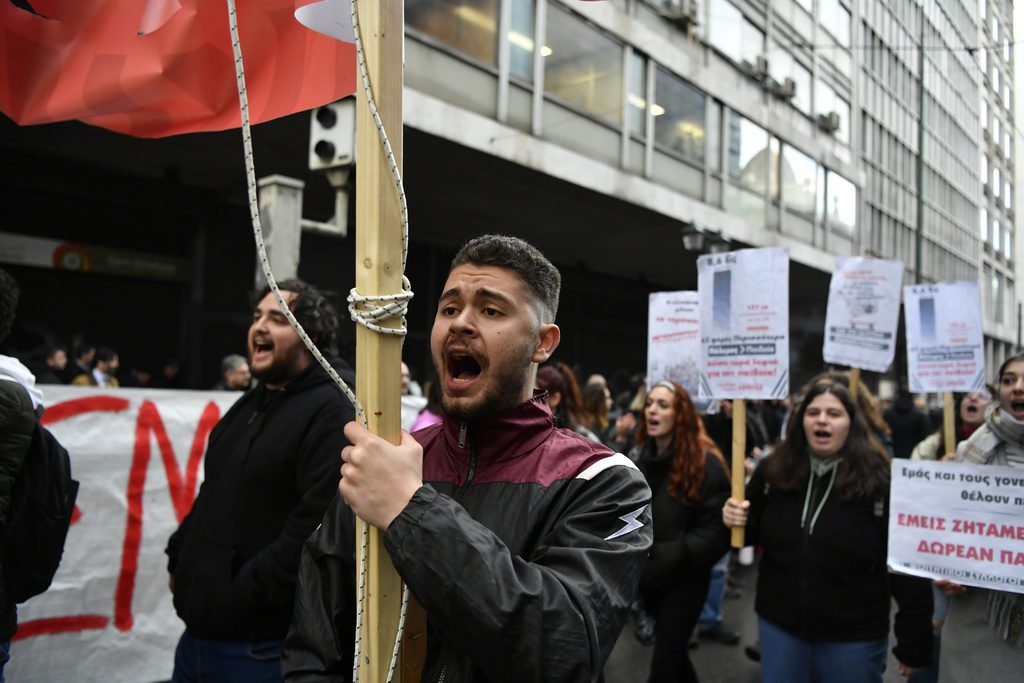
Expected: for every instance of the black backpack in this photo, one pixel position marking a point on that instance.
(41, 505)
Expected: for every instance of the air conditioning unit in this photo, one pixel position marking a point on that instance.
(785, 90)
(761, 68)
(829, 122)
(986, 190)
(1009, 214)
(986, 135)
(684, 14)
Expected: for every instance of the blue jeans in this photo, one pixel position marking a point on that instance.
(788, 659)
(198, 660)
(711, 613)
(5, 656)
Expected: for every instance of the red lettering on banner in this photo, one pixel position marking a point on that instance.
(182, 491)
(182, 494)
(48, 627)
(78, 406)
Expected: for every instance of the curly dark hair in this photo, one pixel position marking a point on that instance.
(865, 466)
(691, 443)
(541, 277)
(9, 295)
(313, 311)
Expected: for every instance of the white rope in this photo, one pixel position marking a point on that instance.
(364, 310)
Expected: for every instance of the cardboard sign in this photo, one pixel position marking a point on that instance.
(959, 522)
(945, 349)
(863, 313)
(137, 454)
(673, 340)
(744, 324)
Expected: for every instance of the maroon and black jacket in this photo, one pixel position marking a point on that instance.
(525, 547)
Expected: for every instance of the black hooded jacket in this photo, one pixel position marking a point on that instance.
(272, 466)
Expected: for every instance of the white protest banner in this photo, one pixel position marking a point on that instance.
(959, 522)
(137, 454)
(863, 313)
(945, 351)
(744, 323)
(673, 339)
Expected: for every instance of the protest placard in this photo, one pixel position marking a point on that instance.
(959, 522)
(137, 454)
(945, 350)
(673, 340)
(744, 324)
(863, 313)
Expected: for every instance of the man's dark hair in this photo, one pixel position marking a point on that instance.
(105, 354)
(51, 351)
(540, 275)
(83, 348)
(9, 294)
(230, 362)
(313, 311)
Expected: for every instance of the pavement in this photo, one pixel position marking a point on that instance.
(715, 663)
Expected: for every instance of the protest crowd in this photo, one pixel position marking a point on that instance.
(536, 515)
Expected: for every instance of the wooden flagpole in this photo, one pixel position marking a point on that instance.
(948, 422)
(379, 271)
(739, 458)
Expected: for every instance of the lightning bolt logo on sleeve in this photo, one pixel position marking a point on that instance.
(632, 523)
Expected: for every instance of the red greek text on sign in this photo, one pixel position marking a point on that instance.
(148, 425)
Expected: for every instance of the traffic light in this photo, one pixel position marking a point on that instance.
(332, 133)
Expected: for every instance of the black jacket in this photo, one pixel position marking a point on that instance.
(17, 424)
(833, 584)
(908, 424)
(521, 549)
(687, 538)
(272, 466)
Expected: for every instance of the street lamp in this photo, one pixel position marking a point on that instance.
(693, 238)
(716, 243)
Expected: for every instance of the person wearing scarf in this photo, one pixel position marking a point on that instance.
(818, 506)
(983, 638)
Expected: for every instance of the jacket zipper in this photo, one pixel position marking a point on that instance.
(470, 476)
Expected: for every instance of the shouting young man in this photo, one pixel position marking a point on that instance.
(524, 543)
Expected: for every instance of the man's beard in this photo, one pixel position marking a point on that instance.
(504, 392)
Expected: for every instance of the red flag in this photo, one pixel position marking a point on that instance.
(152, 68)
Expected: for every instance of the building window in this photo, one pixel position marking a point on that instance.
(747, 159)
(714, 136)
(1007, 144)
(1008, 244)
(826, 101)
(678, 116)
(726, 25)
(997, 234)
(1008, 195)
(798, 174)
(984, 114)
(520, 40)
(984, 168)
(983, 224)
(782, 65)
(997, 182)
(584, 68)
(836, 20)
(467, 26)
(636, 95)
(1006, 52)
(841, 203)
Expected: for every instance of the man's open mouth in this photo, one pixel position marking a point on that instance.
(822, 434)
(1017, 406)
(462, 367)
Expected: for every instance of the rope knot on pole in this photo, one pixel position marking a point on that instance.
(369, 311)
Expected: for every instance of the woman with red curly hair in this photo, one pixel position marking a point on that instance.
(689, 484)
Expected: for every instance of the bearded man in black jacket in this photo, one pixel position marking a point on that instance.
(271, 470)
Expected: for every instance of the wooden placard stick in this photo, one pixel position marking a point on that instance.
(739, 451)
(379, 271)
(948, 422)
(854, 382)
